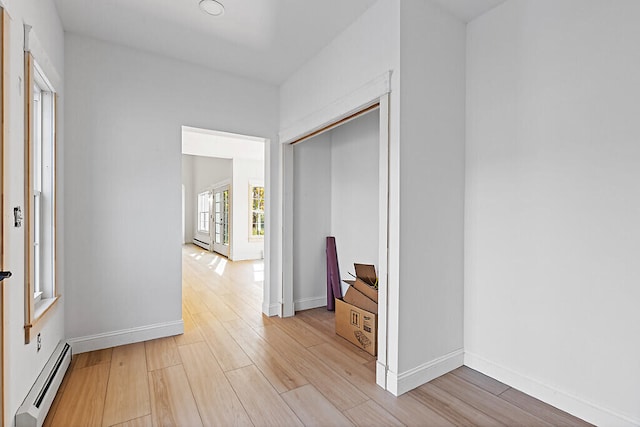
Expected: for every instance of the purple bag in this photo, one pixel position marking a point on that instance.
(333, 274)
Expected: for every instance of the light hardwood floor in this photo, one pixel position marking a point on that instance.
(233, 366)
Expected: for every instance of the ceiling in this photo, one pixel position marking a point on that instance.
(262, 39)
(468, 10)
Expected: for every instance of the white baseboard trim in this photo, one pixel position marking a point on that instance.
(247, 255)
(567, 402)
(401, 383)
(309, 303)
(125, 336)
(271, 309)
(381, 374)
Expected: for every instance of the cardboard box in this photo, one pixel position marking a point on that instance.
(357, 326)
(360, 300)
(365, 288)
(367, 273)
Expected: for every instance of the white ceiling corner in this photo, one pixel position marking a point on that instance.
(266, 40)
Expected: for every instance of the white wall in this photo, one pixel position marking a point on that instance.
(198, 174)
(311, 220)
(189, 198)
(123, 169)
(245, 171)
(24, 362)
(354, 192)
(365, 50)
(552, 203)
(432, 123)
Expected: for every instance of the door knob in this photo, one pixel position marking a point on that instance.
(4, 275)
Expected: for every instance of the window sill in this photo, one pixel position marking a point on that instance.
(42, 306)
(39, 311)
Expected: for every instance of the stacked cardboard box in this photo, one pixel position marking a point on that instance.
(356, 313)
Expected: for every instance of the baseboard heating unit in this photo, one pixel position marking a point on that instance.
(203, 245)
(35, 407)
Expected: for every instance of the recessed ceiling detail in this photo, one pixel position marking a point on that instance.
(212, 7)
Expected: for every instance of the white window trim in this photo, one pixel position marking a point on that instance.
(39, 303)
(252, 184)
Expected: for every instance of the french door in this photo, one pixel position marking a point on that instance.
(220, 231)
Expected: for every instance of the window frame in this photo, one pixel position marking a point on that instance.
(199, 213)
(252, 185)
(38, 304)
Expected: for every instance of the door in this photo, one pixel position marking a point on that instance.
(220, 229)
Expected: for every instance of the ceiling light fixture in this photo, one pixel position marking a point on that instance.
(212, 7)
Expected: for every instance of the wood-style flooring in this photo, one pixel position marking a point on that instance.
(234, 366)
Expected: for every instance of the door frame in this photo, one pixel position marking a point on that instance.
(377, 91)
(4, 55)
(226, 184)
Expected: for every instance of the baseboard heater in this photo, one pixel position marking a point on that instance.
(202, 244)
(35, 407)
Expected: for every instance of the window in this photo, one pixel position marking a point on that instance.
(40, 193)
(256, 219)
(204, 208)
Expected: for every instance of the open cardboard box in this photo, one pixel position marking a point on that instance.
(358, 326)
(356, 313)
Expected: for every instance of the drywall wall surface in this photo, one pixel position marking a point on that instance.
(431, 170)
(23, 363)
(245, 172)
(123, 170)
(552, 203)
(354, 191)
(364, 51)
(190, 202)
(208, 171)
(199, 173)
(311, 220)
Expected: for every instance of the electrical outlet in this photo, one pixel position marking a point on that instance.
(39, 342)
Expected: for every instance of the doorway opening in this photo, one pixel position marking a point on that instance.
(372, 98)
(223, 220)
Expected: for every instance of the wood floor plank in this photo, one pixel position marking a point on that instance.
(300, 331)
(452, 408)
(138, 422)
(128, 392)
(405, 408)
(542, 410)
(82, 403)
(161, 353)
(91, 358)
(191, 333)
(232, 325)
(334, 387)
(370, 414)
(218, 308)
(193, 301)
(217, 402)
(281, 375)
(492, 405)
(252, 315)
(225, 349)
(481, 380)
(172, 402)
(261, 401)
(328, 331)
(313, 409)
